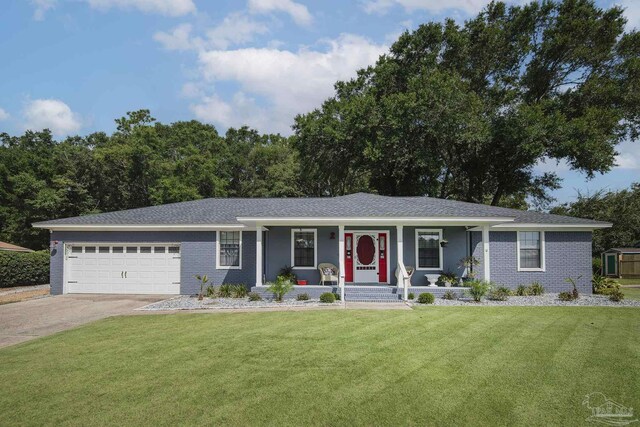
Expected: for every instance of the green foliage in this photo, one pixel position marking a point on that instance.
(468, 263)
(225, 290)
(616, 295)
(338, 298)
(566, 296)
(536, 289)
(254, 296)
(280, 287)
(203, 281)
(573, 283)
(596, 265)
(328, 297)
(24, 268)
(450, 295)
(426, 298)
(499, 293)
(604, 285)
(478, 289)
(288, 273)
(211, 292)
(622, 208)
(448, 276)
(523, 291)
(239, 290)
(302, 297)
(411, 295)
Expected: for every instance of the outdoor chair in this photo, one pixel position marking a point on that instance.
(328, 272)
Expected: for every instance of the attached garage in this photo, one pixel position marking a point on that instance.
(122, 268)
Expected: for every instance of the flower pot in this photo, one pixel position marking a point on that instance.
(302, 282)
(447, 284)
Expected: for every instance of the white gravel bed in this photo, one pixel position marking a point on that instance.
(186, 302)
(545, 300)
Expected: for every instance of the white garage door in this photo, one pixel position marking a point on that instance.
(123, 269)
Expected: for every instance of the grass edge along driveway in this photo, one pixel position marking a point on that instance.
(431, 365)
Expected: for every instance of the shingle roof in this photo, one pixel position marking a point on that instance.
(625, 250)
(358, 205)
(4, 246)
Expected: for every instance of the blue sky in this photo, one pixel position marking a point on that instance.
(76, 65)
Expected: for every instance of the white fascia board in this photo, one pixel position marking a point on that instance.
(300, 221)
(549, 227)
(168, 227)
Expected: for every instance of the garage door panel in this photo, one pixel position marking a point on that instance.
(123, 269)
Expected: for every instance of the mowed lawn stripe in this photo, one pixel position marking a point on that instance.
(432, 365)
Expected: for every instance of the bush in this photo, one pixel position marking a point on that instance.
(604, 285)
(478, 289)
(566, 296)
(288, 273)
(225, 290)
(411, 295)
(24, 268)
(426, 298)
(616, 295)
(211, 292)
(523, 291)
(536, 289)
(450, 295)
(239, 291)
(303, 297)
(338, 298)
(501, 293)
(280, 287)
(328, 297)
(254, 296)
(596, 264)
(573, 282)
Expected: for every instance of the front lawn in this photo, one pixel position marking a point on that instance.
(428, 366)
(631, 293)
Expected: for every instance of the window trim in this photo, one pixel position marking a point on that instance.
(315, 247)
(440, 249)
(542, 251)
(228, 267)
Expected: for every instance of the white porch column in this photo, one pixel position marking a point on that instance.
(341, 265)
(259, 259)
(400, 245)
(486, 258)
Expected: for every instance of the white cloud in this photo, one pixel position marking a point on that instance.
(51, 114)
(236, 28)
(162, 7)
(628, 155)
(3, 114)
(298, 12)
(41, 7)
(287, 82)
(432, 6)
(178, 39)
(631, 12)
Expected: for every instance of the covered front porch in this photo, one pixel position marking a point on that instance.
(382, 256)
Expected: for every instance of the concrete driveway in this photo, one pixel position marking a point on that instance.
(23, 321)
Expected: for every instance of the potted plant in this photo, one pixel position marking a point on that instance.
(468, 263)
(443, 243)
(287, 273)
(448, 279)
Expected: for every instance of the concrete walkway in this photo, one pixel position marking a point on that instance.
(26, 320)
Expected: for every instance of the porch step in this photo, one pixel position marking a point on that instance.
(381, 294)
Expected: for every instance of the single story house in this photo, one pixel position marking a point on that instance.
(8, 247)
(373, 240)
(621, 262)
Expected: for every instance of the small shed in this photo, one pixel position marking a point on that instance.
(621, 262)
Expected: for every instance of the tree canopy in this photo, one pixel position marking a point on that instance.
(468, 111)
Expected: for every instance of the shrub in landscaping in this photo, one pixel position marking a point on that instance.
(426, 298)
(536, 289)
(338, 298)
(211, 292)
(596, 264)
(604, 285)
(303, 297)
(478, 289)
(239, 291)
(254, 296)
(573, 282)
(500, 293)
(616, 295)
(280, 287)
(24, 268)
(523, 291)
(566, 296)
(450, 295)
(225, 290)
(411, 295)
(328, 297)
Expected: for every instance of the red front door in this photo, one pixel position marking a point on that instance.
(382, 257)
(348, 257)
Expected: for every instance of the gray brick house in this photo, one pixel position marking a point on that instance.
(372, 240)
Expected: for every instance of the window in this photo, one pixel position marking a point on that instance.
(530, 250)
(76, 249)
(428, 249)
(132, 249)
(145, 249)
(303, 248)
(103, 249)
(89, 249)
(174, 249)
(229, 249)
(158, 250)
(117, 249)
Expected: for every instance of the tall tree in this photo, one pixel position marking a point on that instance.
(466, 112)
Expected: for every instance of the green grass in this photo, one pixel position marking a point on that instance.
(631, 293)
(626, 282)
(429, 366)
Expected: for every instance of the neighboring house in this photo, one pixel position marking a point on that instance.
(371, 238)
(621, 262)
(13, 248)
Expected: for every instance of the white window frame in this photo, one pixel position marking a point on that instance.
(315, 247)
(440, 249)
(542, 251)
(227, 267)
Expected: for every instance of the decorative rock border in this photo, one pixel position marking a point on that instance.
(546, 300)
(186, 302)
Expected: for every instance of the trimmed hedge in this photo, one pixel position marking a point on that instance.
(24, 268)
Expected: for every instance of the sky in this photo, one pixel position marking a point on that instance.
(73, 66)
